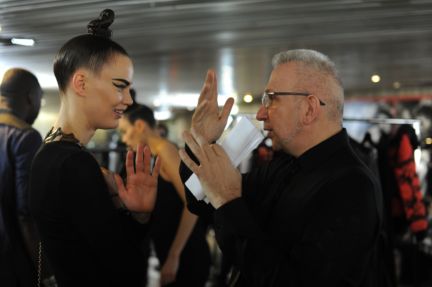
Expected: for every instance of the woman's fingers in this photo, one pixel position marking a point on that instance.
(120, 186)
(147, 160)
(156, 168)
(129, 163)
(139, 164)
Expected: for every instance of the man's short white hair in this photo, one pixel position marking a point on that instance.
(310, 58)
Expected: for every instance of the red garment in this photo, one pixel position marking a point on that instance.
(409, 186)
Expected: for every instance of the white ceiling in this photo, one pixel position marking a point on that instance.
(173, 43)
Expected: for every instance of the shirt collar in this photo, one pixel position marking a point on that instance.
(322, 151)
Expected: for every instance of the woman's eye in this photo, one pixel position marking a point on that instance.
(120, 87)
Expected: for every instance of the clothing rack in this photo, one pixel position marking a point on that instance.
(390, 121)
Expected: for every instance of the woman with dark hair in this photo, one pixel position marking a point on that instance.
(87, 224)
(178, 236)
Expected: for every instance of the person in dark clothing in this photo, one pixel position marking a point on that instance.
(88, 238)
(311, 217)
(20, 99)
(178, 236)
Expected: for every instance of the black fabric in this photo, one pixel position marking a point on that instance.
(385, 264)
(18, 145)
(310, 221)
(195, 257)
(87, 240)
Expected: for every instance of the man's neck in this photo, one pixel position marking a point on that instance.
(311, 139)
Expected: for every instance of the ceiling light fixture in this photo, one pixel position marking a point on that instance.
(247, 98)
(23, 42)
(375, 78)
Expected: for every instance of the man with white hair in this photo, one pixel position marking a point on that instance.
(309, 218)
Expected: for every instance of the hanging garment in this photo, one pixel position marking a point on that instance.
(400, 181)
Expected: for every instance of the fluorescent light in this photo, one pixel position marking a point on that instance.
(182, 100)
(157, 103)
(22, 41)
(47, 80)
(162, 115)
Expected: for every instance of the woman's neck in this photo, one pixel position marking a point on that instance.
(153, 141)
(70, 123)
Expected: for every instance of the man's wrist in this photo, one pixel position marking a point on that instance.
(219, 201)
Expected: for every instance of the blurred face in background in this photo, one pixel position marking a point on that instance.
(133, 134)
(129, 134)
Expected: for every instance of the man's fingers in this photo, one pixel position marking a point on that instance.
(201, 110)
(226, 110)
(206, 87)
(194, 146)
(214, 88)
(188, 161)
(218, 150)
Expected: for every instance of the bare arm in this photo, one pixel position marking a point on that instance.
(170, 163)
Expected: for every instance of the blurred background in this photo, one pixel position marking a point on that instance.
(381, 47)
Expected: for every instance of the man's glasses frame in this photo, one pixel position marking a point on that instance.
(267, 97)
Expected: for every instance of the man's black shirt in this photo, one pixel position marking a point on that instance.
(309, 221)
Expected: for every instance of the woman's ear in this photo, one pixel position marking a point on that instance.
(140, 126)
(78, 82)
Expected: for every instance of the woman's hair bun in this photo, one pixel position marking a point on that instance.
(100, 26)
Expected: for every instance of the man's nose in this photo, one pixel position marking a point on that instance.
(261, 114)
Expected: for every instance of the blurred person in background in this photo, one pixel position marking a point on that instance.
(20, 101)
(162, 130)
(178, 236)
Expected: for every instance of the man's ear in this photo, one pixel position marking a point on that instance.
(79, 81)
(312, 110)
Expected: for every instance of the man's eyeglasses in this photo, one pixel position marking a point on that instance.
(267, 97)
